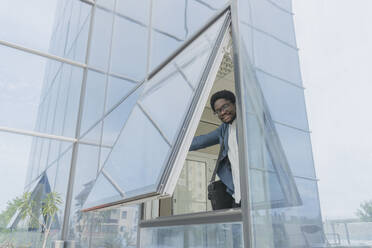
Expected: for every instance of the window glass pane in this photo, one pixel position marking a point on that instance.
(138, 10)
(297, 147)
(129, 49)
(21, 103)
(54, 26)
(115, 121)
(162, 46)
(106, 228)
(280, 23)
(187, 18)
(17, 155)
(286, 102)
(86, 172)
(204, 235)
(175, 11)
(276, 58)
(156, 102)
(94, 99)
(190, 194)
(140, 150)
(93, 136)
(117, 88)
(101, 38)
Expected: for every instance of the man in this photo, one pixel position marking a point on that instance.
(223, 105)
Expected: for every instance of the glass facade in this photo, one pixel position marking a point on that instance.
(102, 116)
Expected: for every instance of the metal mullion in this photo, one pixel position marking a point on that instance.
(42, 54)
(71, 179)
(106, 86)
(242, 132)
(36, 134)
(210, 217)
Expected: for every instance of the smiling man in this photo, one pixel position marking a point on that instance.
(227, 166)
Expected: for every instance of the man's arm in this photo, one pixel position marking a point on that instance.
(206, 140)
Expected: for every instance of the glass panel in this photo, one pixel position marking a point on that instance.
(142, 151)
(94, 99)
(138, 157)
(115, 121)
(108, 228)
(138, 10)
(101, 192)
(86, 172)
(276, 58)
(176, 12)
(190, 194)
(205, 235)
(93, 136)
(16, 154)
(162, 46)
(117, 88)
(280, 23)
(297, 147)
(129, 49)
(286, 102)
(187, 18)
(101, 39)
(56, 27)
(21, 103)
(156, 101)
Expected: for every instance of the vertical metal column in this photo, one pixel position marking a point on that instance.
(242, 132)
(64, 235)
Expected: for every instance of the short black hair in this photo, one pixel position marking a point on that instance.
(225, 94)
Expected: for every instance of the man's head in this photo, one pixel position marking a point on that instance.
(223, 105)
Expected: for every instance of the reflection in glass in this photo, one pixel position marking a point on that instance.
(297, 147)
(94, 99)
(280, 23)
(204, 235)
(129, 52)
(101, 39)
(276, 58)
(138, 10)
(286, 102)
(115, 121)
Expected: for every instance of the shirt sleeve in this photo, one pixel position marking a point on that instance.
(206, 140)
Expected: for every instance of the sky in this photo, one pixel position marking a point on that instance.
(335, 42)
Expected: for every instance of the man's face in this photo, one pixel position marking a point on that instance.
(225, 110)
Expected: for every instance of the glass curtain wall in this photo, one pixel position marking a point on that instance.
(274, 117)
(91, 97)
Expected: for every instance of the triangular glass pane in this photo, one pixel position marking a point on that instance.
(103, 192)
(115, 121)
(117, 88)
(140, 156)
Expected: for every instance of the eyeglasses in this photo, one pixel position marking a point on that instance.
(223, 108)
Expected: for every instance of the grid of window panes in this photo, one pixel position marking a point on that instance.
(269, 46)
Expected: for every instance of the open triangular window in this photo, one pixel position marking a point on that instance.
(148, 155)
(148, 158)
